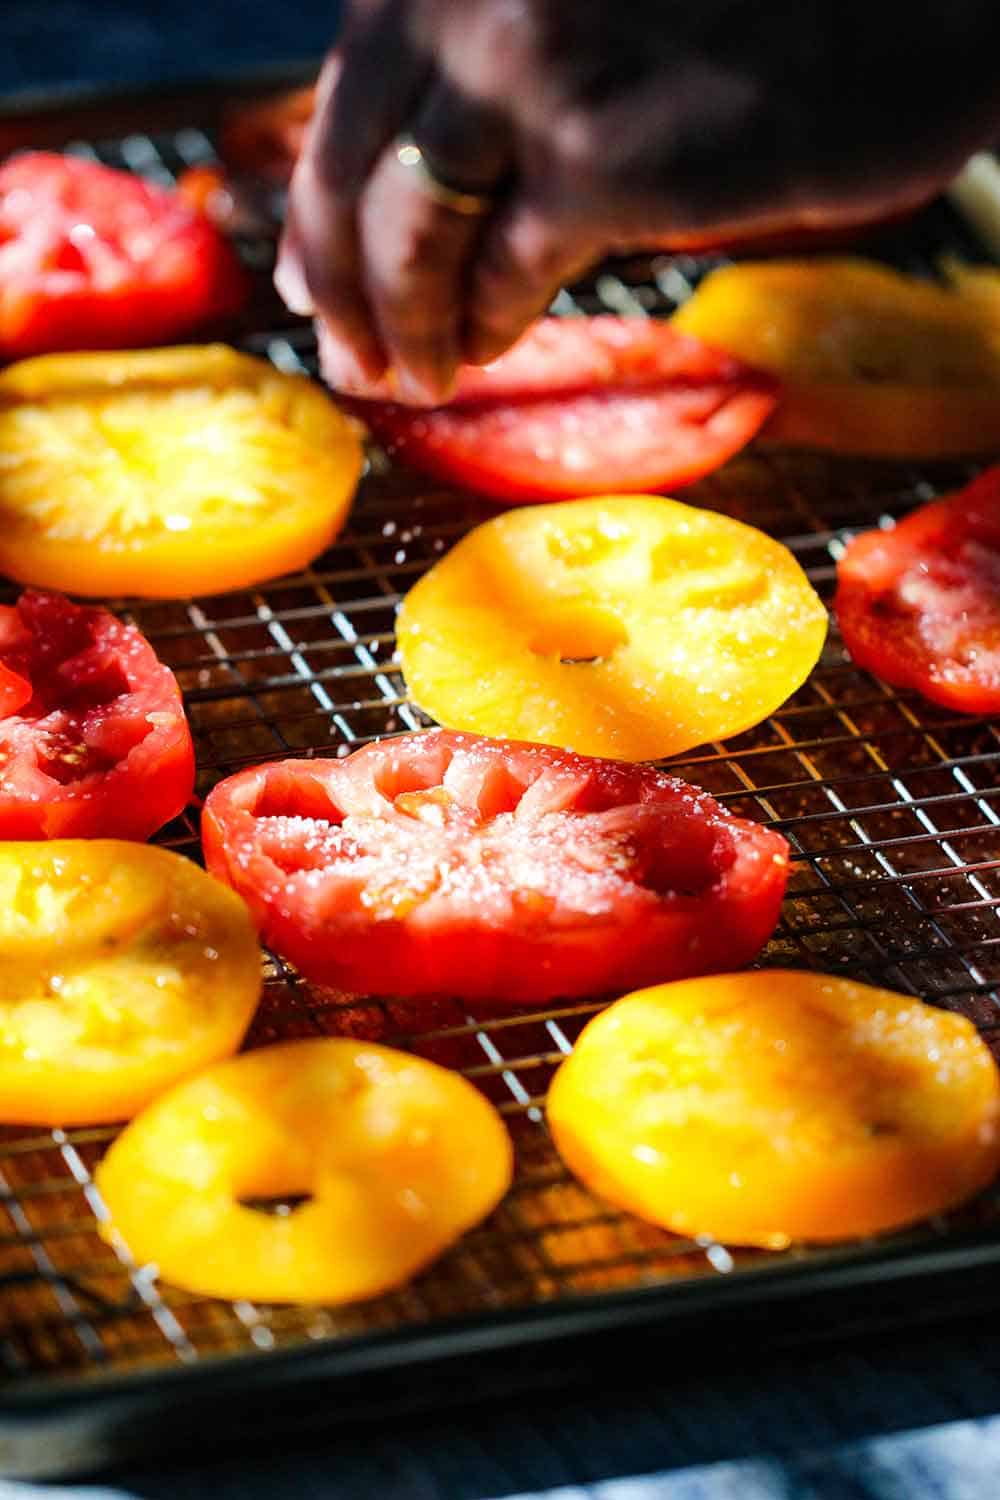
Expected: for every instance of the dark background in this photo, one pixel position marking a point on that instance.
(55, 43)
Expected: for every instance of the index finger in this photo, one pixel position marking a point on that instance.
(375, 74)
(421, 218)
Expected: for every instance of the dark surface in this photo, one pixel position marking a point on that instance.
(60, 43)
(812, 1427)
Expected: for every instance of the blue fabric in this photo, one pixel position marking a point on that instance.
(958, 1461)
(12, 1491)
(122, 42)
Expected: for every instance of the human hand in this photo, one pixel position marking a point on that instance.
(583, 129)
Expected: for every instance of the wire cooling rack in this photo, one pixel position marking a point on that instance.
(891, 806)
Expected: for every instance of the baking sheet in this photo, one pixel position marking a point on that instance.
(892, 809)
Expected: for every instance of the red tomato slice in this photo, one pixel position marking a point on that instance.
(584, 406)
(14, 691)
(263, 138)
(920, 605)
(560, 356)
(453, 864)
(100, 748)
(94, 258)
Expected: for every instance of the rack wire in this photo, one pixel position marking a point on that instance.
(891, 807)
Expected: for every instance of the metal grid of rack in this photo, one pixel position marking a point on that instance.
(891, 806)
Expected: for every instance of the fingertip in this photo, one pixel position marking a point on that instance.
(342, 369)
(318, 276)
(448, 386)
(425, 387)
(481, 345)
(290, 284)
(348, 362)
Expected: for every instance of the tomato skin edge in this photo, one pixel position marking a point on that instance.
(579, 406)
(752, 405)
(900, 670)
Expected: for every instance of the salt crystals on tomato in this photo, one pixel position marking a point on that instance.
(99, 747)
(920, 605)
(491, 869)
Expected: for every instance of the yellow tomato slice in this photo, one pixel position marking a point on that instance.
(626, 626)
(167, 472)
(873, 362)
(125, 968)
(776, 1106)
(396, 1157)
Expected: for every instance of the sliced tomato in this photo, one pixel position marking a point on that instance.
(872, 361)
(590, 443)
(628, 626)
(564, 356)
(167, 472)
(397, 1158)
(94, 258)
(584, 406)
(778, 1106)
(491, 869)
(125, 969)
(14, 691)
(920, 605)
(100, 748)
(264, 138)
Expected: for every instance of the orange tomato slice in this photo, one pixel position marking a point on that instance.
(125, 968)
(167, 472)
(777, 1106)
(626, 626)
(396, 1156)
(872, 361)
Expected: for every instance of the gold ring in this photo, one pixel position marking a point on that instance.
(409, 154)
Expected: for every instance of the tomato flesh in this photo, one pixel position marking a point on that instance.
(264, 138)
(872, 361)
(397, 1157)
(581, 406)
(95, 258)
(14, 691)
(100, 748)
(920, 605)
(630, 626)
(448, 863)
(778, 1105)
(126, 968)
(167, 472)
